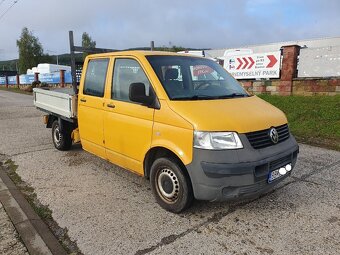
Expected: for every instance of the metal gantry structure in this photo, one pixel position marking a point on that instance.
(73, 50)
(80, 49)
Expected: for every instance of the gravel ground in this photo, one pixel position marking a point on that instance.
(10, 243)
(108, 210)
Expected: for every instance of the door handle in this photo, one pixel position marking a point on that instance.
(111, 105)
(83, 100)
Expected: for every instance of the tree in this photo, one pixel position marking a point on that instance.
(30, 50)
(46, 58)
(172, 49)
(87, 42)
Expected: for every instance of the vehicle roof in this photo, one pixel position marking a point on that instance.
(141, 53)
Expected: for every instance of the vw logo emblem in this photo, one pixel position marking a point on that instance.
(274, 135)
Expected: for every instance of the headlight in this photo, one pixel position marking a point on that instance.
(217, 140)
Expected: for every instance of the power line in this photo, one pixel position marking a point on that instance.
(2, 15)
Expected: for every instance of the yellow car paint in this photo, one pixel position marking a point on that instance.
(124, 134)
(241, 115)
(173, 132)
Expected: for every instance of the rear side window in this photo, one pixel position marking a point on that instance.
(95, 77)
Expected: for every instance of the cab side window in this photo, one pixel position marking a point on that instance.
(126, 72)
(95, 77)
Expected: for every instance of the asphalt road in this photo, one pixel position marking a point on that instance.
(108, 210)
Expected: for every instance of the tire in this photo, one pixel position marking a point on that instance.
(171, 185)
(61, 140)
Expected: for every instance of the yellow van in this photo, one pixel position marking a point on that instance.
(181, 121)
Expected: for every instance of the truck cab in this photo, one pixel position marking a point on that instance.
(184, 123)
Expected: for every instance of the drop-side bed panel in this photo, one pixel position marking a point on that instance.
(60, 102)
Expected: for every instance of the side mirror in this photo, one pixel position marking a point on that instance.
(137, 94)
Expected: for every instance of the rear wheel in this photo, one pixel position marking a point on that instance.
(61, 138)
(171, 185)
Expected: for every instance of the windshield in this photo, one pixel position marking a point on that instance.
(191, 78)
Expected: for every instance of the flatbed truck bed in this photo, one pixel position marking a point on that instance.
(60, 102)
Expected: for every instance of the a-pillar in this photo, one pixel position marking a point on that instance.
(62, 78)
(289, 69)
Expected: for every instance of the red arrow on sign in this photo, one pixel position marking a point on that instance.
(245, 63)
(272, 60)
(240, 63)
(252, 62)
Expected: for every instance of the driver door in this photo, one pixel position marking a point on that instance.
(127, 125)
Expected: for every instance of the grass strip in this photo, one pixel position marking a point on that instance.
(314, 120)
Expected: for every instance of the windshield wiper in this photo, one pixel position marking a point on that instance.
(196, 97)
(207, 97)
(233, 95)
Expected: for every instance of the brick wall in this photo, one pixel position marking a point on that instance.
(299, 86)
(309, 87)
(273, 87)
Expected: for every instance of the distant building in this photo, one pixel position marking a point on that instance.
(270, 47)
(47, 68)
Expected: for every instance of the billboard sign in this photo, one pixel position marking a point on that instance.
(2, 80)
(12, 80)
(26, 79)
(51, 78)
(68, 77)
(254, 66)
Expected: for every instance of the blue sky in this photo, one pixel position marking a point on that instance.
(199, 23)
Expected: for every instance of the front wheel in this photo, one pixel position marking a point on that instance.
(61, 139)
(171, 185)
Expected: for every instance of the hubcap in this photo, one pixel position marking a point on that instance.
(168, 185)
(57, 136)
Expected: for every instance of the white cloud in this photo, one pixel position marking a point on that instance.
(133, 23)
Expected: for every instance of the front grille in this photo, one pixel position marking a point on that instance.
(260, 139)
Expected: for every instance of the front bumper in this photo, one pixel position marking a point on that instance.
(236, 174)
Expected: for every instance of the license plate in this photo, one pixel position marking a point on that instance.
(273, 175)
